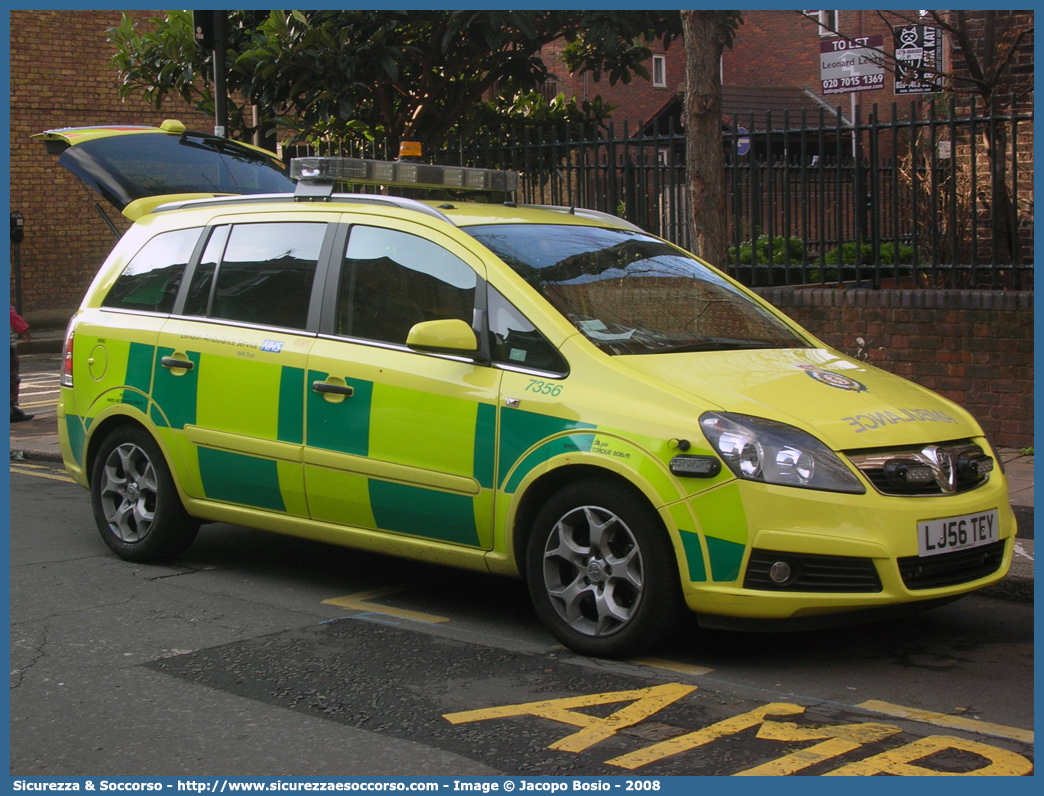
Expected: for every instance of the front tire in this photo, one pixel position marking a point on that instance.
(136, 505)
(601, 571)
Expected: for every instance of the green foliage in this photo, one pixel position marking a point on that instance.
(165, 60)
(387, 75)
(751, 252)
(1026, 451)
(866, 254)
(615, 42)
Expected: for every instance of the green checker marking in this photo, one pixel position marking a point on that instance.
(343, 426)
(725, 558)
(694, 556)
(520, 430)
(139, 366)
(291, 405)
(175, 395)
(485, 439)
(236, 478)
(424, 512)
(74, 428)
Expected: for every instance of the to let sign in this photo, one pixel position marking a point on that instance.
(918, 59)
(852, 64)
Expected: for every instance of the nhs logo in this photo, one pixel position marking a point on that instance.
(272, 346)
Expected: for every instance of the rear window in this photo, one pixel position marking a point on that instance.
(151, 279)
(125, 168)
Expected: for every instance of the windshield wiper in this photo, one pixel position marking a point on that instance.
(722, 344)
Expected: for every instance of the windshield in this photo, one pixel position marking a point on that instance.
(631, 293)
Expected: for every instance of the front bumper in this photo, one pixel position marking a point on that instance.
(864, 535)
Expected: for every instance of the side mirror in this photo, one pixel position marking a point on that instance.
(450, 336)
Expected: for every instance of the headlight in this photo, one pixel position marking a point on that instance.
(774, 453)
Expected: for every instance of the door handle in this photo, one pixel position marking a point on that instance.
(335, 389)
(171, 362)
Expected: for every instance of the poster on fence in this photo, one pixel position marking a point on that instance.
(918, 59)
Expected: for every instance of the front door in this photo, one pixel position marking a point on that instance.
(398, 440)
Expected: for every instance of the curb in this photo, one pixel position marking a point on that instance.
(1014, 588)
(28, 454)
(46, 345)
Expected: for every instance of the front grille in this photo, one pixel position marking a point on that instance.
(872, 463)
(812, 573)
(949, 569)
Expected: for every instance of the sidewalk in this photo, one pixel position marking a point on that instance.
(1018, 585)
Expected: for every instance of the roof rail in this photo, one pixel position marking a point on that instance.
(346, 198)
(593, 215)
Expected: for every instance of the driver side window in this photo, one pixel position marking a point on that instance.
(515, 341)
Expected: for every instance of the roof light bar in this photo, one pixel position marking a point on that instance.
(400, 173)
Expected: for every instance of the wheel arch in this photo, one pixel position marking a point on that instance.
(103, 428)
(540, 489)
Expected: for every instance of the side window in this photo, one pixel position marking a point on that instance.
(392, 280)
(264, 276)
(151, 279)
(198, 300)
(515, 341)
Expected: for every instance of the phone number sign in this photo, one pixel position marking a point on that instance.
(847, 65)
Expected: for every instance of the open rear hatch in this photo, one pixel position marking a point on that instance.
(137, 168)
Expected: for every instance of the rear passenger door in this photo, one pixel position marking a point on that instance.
(399, 440)
(229, 373)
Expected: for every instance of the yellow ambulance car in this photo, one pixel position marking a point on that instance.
(540, 392)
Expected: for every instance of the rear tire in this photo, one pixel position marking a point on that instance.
(601, 571)
(136, 503)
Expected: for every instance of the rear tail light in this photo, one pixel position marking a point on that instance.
(67, 363)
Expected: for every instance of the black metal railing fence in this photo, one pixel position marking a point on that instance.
(940, 198)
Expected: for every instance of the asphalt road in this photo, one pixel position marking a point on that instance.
(256, 654)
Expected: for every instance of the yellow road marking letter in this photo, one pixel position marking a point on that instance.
(839, 740)
(900, 762)
(645, 702)
(683, 743)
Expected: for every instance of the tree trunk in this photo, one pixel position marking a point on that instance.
(705, 34)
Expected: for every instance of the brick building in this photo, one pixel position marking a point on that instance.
(774, 64)
(61, 77)
(636, 101)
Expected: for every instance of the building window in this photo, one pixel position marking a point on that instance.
(659, 71)
(827, 21)
(549, 89)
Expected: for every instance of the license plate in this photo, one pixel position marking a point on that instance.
(935, 537)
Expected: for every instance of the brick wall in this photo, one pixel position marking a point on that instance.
(973, 347)
(781, 48)
(636, 101)
(61, 77)
(1018, 77)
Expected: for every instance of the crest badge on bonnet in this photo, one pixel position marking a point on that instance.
(831, 379)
